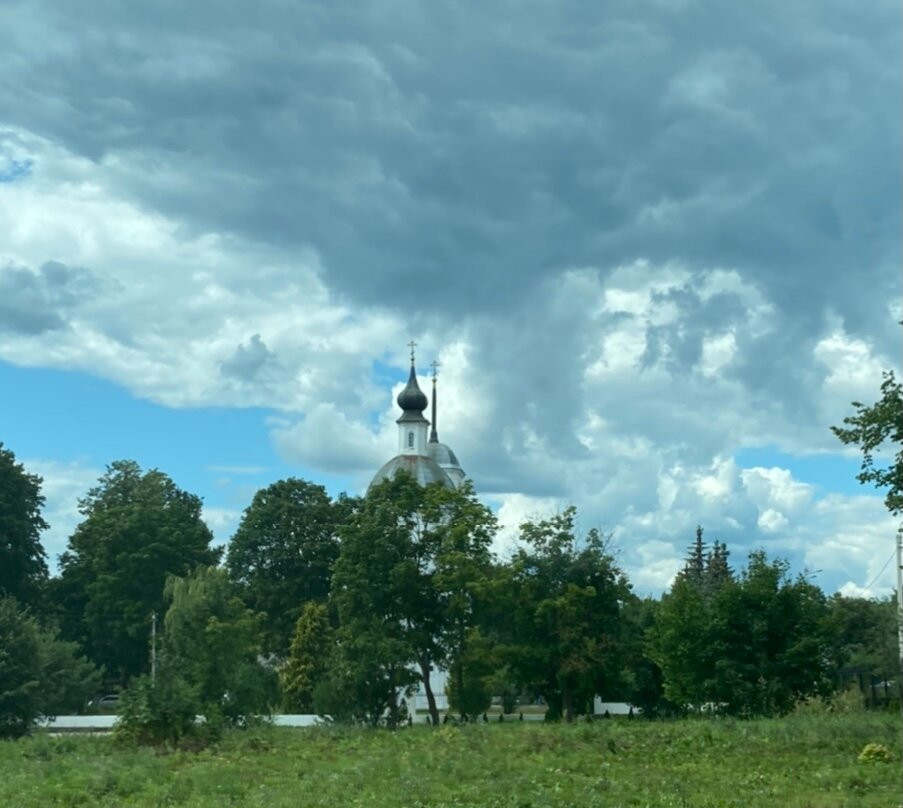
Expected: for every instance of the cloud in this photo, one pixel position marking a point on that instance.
(63, 485)
(33, 302)
(626, 281)
(248, 361)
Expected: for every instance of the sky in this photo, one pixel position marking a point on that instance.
(654, 246)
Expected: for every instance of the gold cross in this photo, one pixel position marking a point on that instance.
(412, 345)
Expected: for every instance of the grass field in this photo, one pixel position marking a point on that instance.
(797, 761)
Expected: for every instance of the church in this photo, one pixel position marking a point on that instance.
(419, 451)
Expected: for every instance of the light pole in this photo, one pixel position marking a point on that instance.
(154, 646)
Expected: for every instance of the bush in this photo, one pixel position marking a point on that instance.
(161, 711)
(874, 753)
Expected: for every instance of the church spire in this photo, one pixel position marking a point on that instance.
(434, 435)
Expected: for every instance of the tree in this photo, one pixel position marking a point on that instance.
(308, 659)
(642, 680)
(403, 587)
(20, 670)
(214, 641)
(863, 632)
(565, 601)
(283, 551)
(871, 428)
(679, 643)
(754, 646)
(68, 680)
(138, 528)
(23, 565)
(39, 674)
(771, 641)
(207, 666)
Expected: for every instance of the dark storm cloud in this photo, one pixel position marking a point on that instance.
(34, 302)
(248, 361)
(461, 152)
(450, 161)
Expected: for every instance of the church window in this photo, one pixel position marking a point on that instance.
(410, 440)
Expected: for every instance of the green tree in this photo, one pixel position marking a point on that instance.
(308, 659)
(771, 641)
(404, 587)
(864, 634)
(68, 680)
(213, 639)
(20, 670)
(872, 428)
(23, 565)
(138, 528)
(565, 601)
(679, 643)
(39, 674)
(470, 679)
(283, 551)
(755, 645)
(642, 680)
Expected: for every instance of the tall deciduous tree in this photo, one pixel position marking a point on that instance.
(213, 639)
(138, 528)
(404, 586)
(23, 566)
(566, 600)
(873, 427)
(283, 551)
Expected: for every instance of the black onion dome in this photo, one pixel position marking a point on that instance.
(412, 398)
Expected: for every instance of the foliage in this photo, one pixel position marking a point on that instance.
(207, 667)
(39, 674)
(308, 659)
(795, 762)
(20, 670)
(214, 641)
(404, 588)
(283, 551)
(564, 599)
(23, 566)
(864, 634)
(138, 527)
(68, 680)
(470, 680)
(641, 679)
(159, 711)
(754, 646)
(871, 428)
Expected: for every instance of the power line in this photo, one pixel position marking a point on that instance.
(882, 571)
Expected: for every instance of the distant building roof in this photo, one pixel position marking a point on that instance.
(424, 470)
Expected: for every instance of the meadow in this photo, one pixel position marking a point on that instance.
(801, 761)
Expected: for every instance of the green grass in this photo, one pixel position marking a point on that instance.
(794, 762)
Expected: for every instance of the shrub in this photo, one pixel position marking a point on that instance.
(874, 753)
(160, 711)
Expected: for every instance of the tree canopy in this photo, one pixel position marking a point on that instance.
(873, 427)
(138, 528)
(283, 551)
(23, 564)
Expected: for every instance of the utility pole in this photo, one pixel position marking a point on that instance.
(154, 646)
(900, 638)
